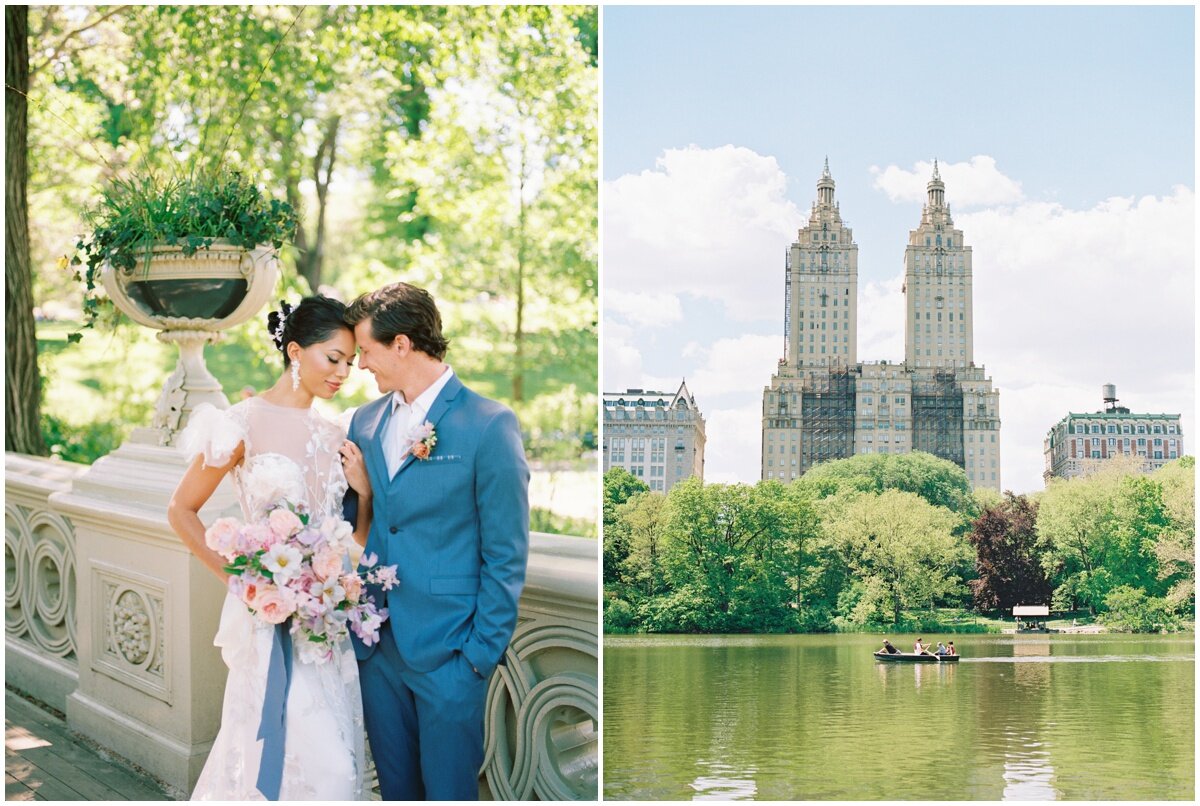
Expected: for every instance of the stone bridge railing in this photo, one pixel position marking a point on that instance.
(110, 619)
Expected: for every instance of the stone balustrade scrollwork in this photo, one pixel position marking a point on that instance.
(39, 577)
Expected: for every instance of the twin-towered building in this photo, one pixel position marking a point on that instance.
(824, 404)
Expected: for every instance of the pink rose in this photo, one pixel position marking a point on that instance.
(222, 536)
(272, 606)
(353, 585)
(249, 588)
(284, 522)
(327, 563)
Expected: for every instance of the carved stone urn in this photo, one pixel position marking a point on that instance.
(191, 300)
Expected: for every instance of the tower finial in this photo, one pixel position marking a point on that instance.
(935, 169)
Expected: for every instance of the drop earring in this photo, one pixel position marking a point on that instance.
(295, 376)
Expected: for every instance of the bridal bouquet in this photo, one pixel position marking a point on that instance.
(283, 568)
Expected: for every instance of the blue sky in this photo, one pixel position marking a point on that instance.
(1066, 140)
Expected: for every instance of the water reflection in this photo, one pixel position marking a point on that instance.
(723, 782)
(1028, 773)
(818, 718)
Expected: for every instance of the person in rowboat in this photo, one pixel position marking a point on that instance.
(951, 650)
(889, 649)
(941, 649)
(919, 648)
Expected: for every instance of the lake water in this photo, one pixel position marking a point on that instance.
(816, 717)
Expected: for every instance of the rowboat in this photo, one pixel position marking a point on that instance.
(911, 657)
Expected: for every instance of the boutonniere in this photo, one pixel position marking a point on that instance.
(423, 439)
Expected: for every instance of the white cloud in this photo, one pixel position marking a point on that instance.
(621, 355)
(975, 183)
(624, 367)
(881, 321)
(1067, 300)
(713, 223)
(734, 365)
(734, 444)
(645, 310)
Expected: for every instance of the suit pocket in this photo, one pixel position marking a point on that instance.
(465, 585)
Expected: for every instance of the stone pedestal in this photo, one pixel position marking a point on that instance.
(150, 679)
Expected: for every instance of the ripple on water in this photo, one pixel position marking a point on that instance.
(720, 781)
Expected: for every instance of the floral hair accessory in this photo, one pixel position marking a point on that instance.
(423, 439)
(285, 310)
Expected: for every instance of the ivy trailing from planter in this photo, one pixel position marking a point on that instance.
(144, 210)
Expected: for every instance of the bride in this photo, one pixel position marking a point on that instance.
(266, 441)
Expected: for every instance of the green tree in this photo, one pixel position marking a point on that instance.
(725, 561)
(508, 176)
(903, 548)
(644, 522)
(938, 481)
(1176, 545)
(1075, 525)
(1129, 609)
(619, 486)
(1139, 520)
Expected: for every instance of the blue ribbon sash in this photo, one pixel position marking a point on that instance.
(272, 727)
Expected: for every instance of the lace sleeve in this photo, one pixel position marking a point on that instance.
(212, 432)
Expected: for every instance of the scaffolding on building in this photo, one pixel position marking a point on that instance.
(827, 417)
(937, 416)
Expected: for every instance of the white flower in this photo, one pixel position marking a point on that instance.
(332, 592)
(336, 531)
(270, 478)
(284, 562)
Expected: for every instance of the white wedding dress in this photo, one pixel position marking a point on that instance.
(289, 453)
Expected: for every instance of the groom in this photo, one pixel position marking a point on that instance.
(450, 509)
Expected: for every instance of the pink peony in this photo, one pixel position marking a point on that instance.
(255, 537)
(272, 605)
(327, 563)
(284, 522)
(222, 537)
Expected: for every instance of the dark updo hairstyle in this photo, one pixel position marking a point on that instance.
(398, 309)
(314, 320)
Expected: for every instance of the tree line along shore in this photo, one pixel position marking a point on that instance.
(900, 543)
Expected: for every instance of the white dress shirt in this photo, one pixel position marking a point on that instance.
(405, 417)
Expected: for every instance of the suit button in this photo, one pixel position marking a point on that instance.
(393, 529)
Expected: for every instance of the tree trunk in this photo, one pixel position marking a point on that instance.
(519, 336)
(23, 384)
(312, 258)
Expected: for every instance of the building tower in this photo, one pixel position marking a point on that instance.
(821, 288)
(808, 410)
(937, 288)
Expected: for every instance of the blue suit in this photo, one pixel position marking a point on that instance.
(456, 526)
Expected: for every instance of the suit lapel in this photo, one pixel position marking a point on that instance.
(441, 405)
(374, 438)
